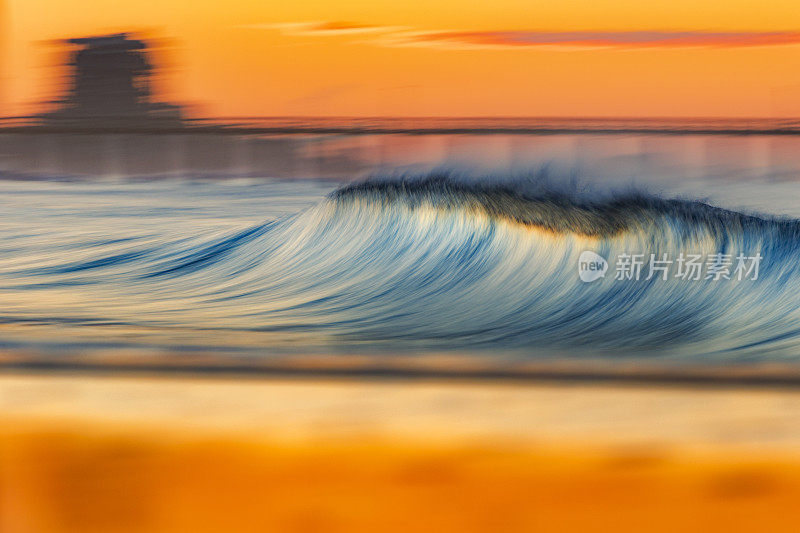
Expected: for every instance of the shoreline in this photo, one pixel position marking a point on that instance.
(417, 412)
(440, 367)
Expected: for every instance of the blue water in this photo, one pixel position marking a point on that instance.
(428, 263)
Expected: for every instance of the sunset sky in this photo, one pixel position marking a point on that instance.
(439, 57)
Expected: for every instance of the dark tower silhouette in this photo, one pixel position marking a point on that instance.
(110, 82)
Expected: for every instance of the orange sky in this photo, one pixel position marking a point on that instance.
(442, 57)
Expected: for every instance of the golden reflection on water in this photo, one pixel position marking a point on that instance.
(121, 454)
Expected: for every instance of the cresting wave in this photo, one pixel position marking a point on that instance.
(440, 261)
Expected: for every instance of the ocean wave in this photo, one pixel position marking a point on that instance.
(444, 261)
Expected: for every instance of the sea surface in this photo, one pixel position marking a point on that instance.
(476, 261)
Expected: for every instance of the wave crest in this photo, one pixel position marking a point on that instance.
(537, 202)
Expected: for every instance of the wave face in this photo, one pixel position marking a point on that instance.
(447, 262)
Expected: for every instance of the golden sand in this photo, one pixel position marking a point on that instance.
(137, 454)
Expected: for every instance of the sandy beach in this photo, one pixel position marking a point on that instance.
(187, 454)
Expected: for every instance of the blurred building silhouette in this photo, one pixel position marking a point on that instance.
(110, 80)
(108, 121)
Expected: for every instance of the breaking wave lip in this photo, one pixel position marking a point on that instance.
(538, 202)
(440, 260)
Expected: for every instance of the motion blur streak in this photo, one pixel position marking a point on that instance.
(180, 455)
(434, 261)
